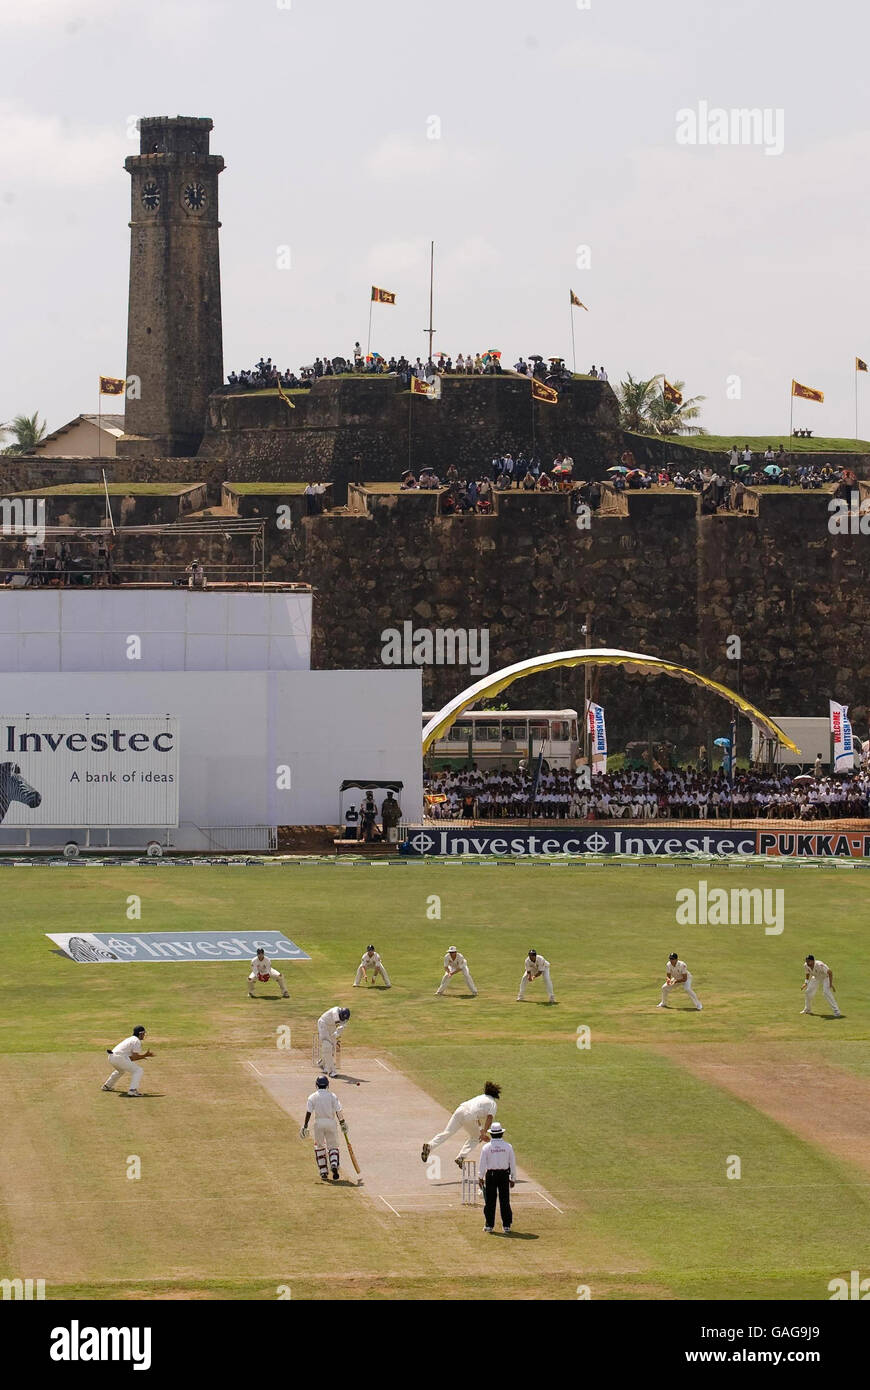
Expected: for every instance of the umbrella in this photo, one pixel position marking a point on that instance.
(618, 468)
(742, 468)
(535, 357)
(722, 742)
(805, 777)
(555, 359)
(773, 469)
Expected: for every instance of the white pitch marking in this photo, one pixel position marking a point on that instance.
(386, 1204)
(380, 1064)
(552, 1204)
(259, 1073)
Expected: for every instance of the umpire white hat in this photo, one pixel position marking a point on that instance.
(496, 1129)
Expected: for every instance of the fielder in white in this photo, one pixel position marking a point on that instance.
(263, 970)
(325, 1106)
(474, 1116)
(534, 969)
(126, 1055)
(330, 1027)
(678, 974)
(371, 961)
(817, 973)
(456, 964)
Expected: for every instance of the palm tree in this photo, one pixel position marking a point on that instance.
(27, 431)
(668, 417)
(636, 404)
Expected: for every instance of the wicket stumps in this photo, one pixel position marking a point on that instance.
(469, 1182)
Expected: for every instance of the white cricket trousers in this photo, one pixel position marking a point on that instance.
(123, 1063)
(276, 975)
(687, 986)
(325, 1144)
(541, 975)
(327, 1049)
(812, 989)
(376, 971)
(459, 1120)
(448, 977)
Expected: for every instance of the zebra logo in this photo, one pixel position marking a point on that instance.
(87, 953)
(14, 788)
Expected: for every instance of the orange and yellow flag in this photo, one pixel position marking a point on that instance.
(577, 303)
(860, 364)
(383, 296)
(112, 385)
(806, 393)
(671, 394)
(542, 392)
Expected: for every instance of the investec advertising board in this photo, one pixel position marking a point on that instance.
(799, 844)
(88, 770)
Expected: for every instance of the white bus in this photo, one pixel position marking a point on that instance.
(502, 738)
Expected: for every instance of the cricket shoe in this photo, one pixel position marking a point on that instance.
(519, 999)
(806, 1011)
(487, 1230)
(474, 994)
(458, 1162)
(132, 1093)
(250, 994)
(286, 994)
(324, 1177)
(507, 1230)
(107, 1088)
(661, 1006)
(335, 1175)
(700, 1007)
(425, 1154)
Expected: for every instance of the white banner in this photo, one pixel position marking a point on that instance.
(88, 770)
(844, 747)
(597, 737)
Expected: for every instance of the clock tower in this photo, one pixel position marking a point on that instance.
(174, 341)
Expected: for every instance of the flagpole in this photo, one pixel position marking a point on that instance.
(791, 415)
(573, 349)
(430, 330)
(856, 402)
(99, 423)
(369, 338)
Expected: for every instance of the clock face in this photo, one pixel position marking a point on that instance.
(194, 197)
(151, 196)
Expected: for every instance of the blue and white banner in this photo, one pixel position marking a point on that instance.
(597, 730)
(100, 948)
(580, 841)
(841, 729)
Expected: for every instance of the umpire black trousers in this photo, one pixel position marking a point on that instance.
(497, 1182)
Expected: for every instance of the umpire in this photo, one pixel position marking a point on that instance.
(497, 1173)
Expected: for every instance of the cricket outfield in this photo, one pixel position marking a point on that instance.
(630, 1139)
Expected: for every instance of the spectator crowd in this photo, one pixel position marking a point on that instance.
(676, 794)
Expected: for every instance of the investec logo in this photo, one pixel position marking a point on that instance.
(100, 741)
(23, 516)
(440, 646)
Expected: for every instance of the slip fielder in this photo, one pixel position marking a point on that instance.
(474, 1116)
(456, 964)
(330, 1027)
(534, 969)
(678, 974)
(817, 973)
(371, 961)
(325, 1106)
(263, 970)
(126, 1055)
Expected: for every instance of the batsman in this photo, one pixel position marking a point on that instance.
(325, 1106)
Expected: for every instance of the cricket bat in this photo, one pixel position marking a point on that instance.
(352, 1154)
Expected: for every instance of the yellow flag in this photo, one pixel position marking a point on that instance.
(807, 393)
(860, 364)
(112, 385)
(577, 303)
(542, 392)
(383, 296)
(283, 394)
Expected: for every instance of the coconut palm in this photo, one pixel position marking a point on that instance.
(636, 403)
(670, 418)
(27, 432)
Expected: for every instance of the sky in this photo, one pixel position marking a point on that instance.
(541, 147)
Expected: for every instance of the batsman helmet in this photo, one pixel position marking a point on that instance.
(138, 1031)
(322, 1082)
(260, 950)
(370, 947)
(344, 1015)
(673, 956)
(532, 952)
